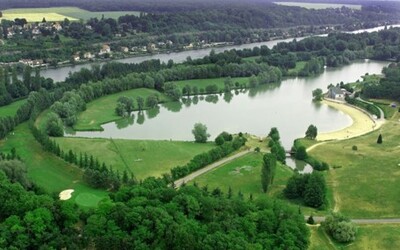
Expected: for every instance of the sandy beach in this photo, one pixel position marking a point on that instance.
(362, 123)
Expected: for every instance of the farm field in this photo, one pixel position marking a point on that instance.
(49, 172)
(201, 84)
(11, 109)
(60, 13)
(102, 110)
(367, 176)
(319, 5)
(143, 158)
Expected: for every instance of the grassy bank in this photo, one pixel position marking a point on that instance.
(48, 171)
(102, 110)
(11, 109)
(141, 157)
(364, 182)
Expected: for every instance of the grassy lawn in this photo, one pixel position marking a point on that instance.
(102, 110)
(243, 174)
(365, 183)
(143, 158)
(374, 237)
(385, 106)
(251, 58)
(319, 5)
(59, 13)
(11, 109)
(299, 66)
(47, 170)
(203, 83)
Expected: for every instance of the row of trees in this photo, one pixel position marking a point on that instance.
(388, 87)
(207, 158)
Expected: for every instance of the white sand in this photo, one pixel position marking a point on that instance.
(66, 194)
(362, 123)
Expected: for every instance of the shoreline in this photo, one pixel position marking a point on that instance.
(362, 123)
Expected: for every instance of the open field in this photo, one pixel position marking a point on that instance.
(299, 66)
(374, 237)
(385, 106)
(203, 83)
(11, 109)
(143, 158)
(72, 13)
(362, 123)
(319, 5)
(244, 175)
(102, 110)
(364, 182)
(48, 171)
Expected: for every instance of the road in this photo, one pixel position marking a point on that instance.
(318, 219)
(216, 164)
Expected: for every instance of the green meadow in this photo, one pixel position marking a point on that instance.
(48, 171)
(143, 158)
(364, 182)
(11, 109)
(102, 110)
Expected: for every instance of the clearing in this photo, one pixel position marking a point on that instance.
(319, 5)
(11, 109)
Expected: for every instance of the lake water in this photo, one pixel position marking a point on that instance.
(287, 106)
(59, 74)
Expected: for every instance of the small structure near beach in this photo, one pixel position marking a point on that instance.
(336, 93)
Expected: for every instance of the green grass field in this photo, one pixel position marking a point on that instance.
(373, 237)
(11, 109)
(102, 110)
(48, 171)
(243, 174)
(60, 13)
(365, 182)
(203, 83)
(143, 158)
(319, 5)
(299, 66)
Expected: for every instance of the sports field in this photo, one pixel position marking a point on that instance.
(49, 171)
(60, 13)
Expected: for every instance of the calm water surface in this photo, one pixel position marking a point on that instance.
(287, 106)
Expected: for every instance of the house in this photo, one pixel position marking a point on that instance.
(88, 55)
(57, 26)
(76, 57)
(105, 49)
(336, 93)
(125, 49)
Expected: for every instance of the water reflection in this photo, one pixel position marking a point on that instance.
(212, 99)
(228, 97)
(173, 106)
(299, 166)
(152, 113)
(125, 122)
(140, 118)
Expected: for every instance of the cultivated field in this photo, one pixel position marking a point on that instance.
(48, 171)
(11, 109)
(143, 158)
(319, 5)
(102, 110)
(60, 13)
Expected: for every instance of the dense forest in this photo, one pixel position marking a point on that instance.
(146, 216)
(388, 87)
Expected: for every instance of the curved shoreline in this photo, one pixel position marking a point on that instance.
(362, 123)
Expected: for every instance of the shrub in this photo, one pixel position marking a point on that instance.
(379, 141)
(340, 228)
(354, 148)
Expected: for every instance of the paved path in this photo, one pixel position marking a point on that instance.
(201, 171)
(319, 219)
(380, 110)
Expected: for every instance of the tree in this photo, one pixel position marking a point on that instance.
(268, 171)
(140, 102)
(379, 141)
(311, 132)
(274, 134)
(315, 190)
(54, 125)
(200, 133)
(317, 94)
(301, 153)
(340, 227)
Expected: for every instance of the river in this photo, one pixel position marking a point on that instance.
(287, 106)
(59, 74)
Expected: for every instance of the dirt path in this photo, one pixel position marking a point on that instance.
(319, 219)
(201, 171)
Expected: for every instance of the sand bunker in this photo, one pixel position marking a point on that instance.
(66, 194)
(362, 123)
